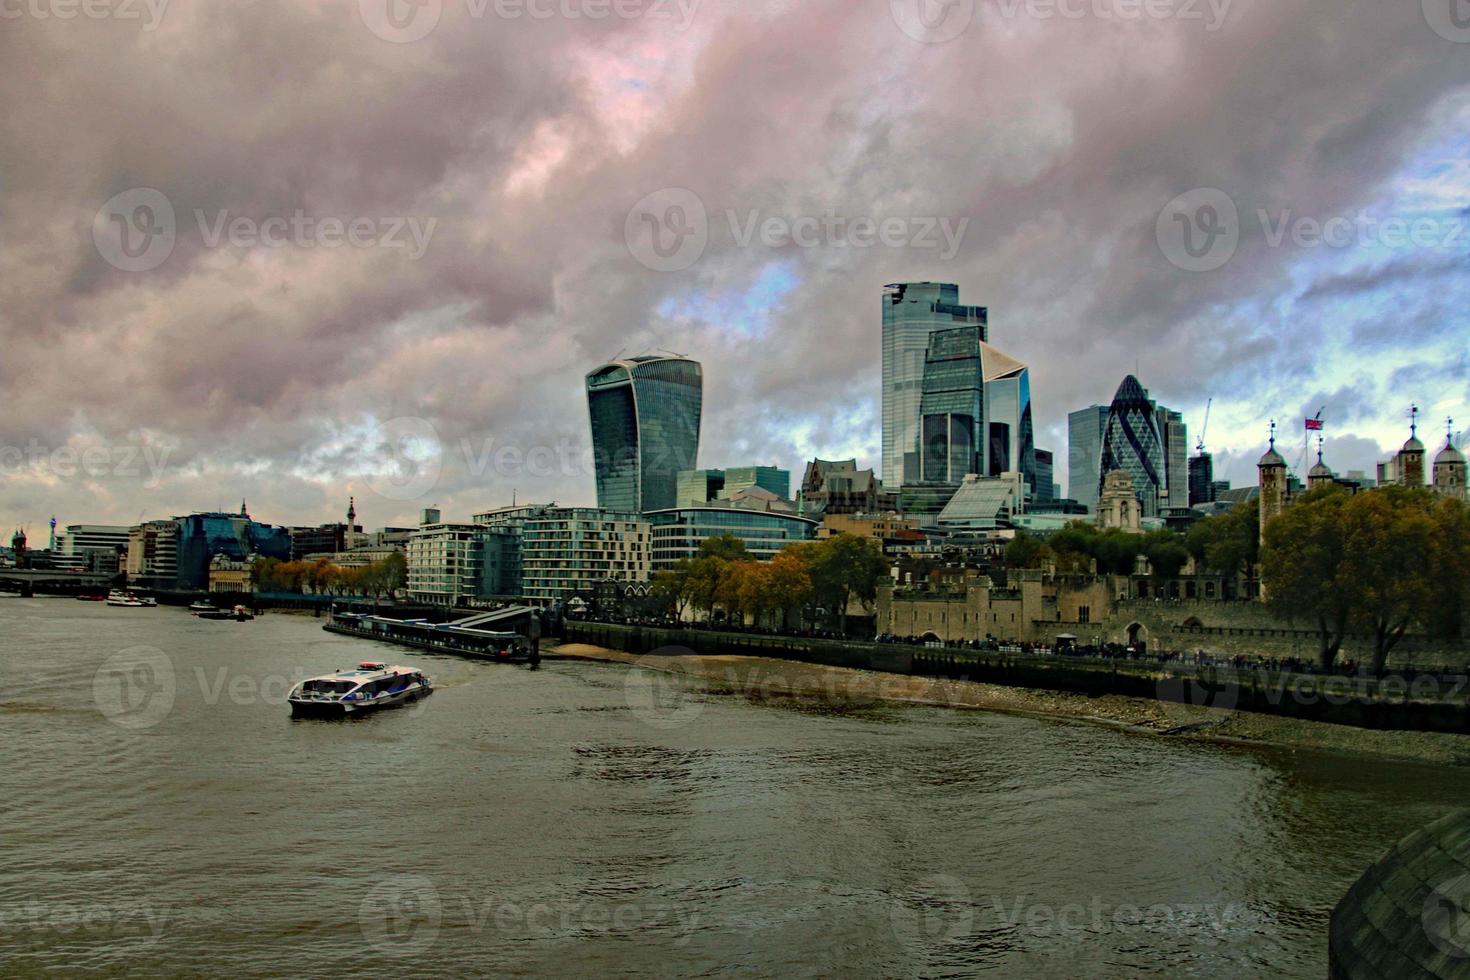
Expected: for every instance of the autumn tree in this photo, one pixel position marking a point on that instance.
(1382, 561)
(1303, 568)
(845, 567)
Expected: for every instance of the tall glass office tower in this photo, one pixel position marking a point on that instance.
(911, 312)
(1132, 443)
(974, 413)
(951, 407)
(1176, 458)
(1010, 440)
(645, 414)
(1084, 454)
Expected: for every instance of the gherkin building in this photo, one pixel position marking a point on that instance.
(1132, 443)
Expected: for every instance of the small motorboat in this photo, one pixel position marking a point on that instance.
(367, 687)
(239, 614)
(201, 607)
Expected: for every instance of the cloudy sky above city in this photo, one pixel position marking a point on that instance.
(247, 248)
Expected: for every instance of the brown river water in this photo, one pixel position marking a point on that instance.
(164, 815)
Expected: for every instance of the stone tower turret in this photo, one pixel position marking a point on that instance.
(1449, 467)
(1320, 475)
(1411, 457)
(1271, 469)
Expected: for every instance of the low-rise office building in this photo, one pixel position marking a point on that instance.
(681, 531)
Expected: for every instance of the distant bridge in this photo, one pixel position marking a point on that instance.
(27, 581)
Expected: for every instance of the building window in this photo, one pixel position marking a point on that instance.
(1084, 614)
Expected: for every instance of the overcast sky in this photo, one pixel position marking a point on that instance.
(296, 251)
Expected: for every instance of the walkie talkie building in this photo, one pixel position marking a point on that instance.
(645, 414)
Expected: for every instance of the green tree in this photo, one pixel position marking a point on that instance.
(1026, 551)
(671, 586)
(1450, 560)
(1389, 546)
(1382, 561)
(1227, 543)
(1303, 568)
(1166, 553)
(845, 567)
(395, 572)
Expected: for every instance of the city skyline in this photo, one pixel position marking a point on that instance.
(254, 368)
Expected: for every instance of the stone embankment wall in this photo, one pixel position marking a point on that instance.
(1425, 704)
(1249, 629)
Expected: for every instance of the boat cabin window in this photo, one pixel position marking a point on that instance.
(327, 687)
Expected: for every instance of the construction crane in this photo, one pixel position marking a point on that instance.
(1200, 443)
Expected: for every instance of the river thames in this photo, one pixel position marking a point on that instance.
(164, 815)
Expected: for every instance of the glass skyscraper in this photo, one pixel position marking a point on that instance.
(911, 312)
(974, 413)
(1175, 492)
(1010, 441)
(1084, 454)
(951, 406)
(1133, 443)
(645, 414)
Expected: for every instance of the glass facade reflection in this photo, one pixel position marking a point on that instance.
(1084, 454)
(911, 312)
(679, 533)
(951, 406)
(1132, 443)
(645, 415)
(236, 536)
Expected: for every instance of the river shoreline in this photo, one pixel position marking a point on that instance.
(763, 678)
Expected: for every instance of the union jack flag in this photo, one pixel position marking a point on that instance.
(1314, 425)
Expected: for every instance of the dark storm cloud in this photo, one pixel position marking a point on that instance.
(527, 141)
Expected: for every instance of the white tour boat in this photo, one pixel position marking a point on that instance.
(118, 597)
(365, 688)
